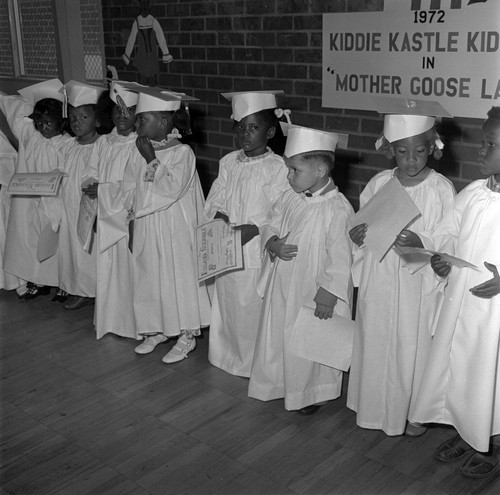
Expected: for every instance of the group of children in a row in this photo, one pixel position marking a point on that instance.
(420, 355)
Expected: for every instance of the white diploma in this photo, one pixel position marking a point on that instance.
(386, 214)
(218, 247)
(426, 254)
(86, 219)
(327, 342)
(43, 184)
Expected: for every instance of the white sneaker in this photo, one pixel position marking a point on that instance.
(180, 350)
(150, 343)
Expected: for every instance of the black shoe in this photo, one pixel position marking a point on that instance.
(78, 302)
(35, 291)
(309, 410)
(60, 296)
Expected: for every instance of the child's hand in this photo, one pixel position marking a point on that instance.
(325, 302)
(407, 238)
(222, 216)
(248, 232)
(145, 148)
(277, 247)
(91, 190)
(440, 267)
(358, 234)
(491, 287)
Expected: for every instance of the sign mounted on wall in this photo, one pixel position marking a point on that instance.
(448, 54)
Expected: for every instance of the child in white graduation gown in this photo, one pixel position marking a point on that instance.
(250, 180)
(306, 233)
(113, 304)
(166, 206)
(461, 383)
(35, 118)
(8, 156)
(397, 298)
(77, 266)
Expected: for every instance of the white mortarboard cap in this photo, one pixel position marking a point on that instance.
(160, 100)
(245, 103)
(79, 94)
(125, 90)
(45, 89)
(406, 118)
(304, 139)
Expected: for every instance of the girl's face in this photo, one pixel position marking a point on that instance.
(303, 175)
(153, 126)
(489, 154)
(83, 122)
(48, 126)
(252, 134)
(411, 155)
(124, 125)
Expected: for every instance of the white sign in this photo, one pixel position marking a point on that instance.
(451, 56)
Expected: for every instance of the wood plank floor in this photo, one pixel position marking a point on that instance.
(82, 416)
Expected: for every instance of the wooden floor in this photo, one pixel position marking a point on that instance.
(82, 416)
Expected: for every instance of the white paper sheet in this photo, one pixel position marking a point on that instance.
(219, 249)
(386, 215)
(327, 342)
(427, 253)
(47, 244)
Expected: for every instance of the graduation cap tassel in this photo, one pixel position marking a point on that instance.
(121, 104)
(65, 103)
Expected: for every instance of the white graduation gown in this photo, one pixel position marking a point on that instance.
(461, 383)
(244, 190)
(393, 316)
(167, 296)
(30, 215)
(317, 225)
(77, 267)
(113, 306)
(8, 156)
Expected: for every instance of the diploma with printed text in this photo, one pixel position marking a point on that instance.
(219, 249)
(86, 219)
(43, 184)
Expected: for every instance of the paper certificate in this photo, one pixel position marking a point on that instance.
(218, 246)
(386, 215)
(43, 184)
(86, 219)
(327, 342)
(427, 254)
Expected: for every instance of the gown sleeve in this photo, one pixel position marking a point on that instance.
(216, 199)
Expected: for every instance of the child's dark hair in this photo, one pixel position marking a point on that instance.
(49, 107)
(103, 110)
(431, 136)
(180, 118)
(325, 157)
(494, 113)
(268, 117)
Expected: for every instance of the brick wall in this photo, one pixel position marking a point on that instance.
(237, 45)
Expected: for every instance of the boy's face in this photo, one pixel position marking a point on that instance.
(47, 126)
(150, 125)
(302, 175)
(252, 134)
(124, 125)
(411, 154)
(83, 121)
(489, 154)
